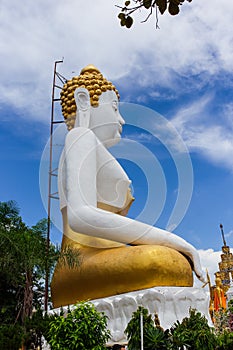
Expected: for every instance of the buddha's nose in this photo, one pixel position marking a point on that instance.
(121, 120)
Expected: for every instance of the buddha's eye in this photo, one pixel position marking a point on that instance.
(115, 106)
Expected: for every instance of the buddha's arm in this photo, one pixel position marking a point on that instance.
(86, 218)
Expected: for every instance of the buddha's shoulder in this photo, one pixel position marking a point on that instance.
(81, 134)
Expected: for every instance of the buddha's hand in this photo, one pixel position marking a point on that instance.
(154, 235)
(200, 275)
(194, 256)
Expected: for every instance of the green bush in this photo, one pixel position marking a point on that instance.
(225, 341)
(154, 338)
(193, 332)
(81, 328)
(11, 337)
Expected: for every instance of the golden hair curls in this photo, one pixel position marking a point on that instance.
(89, 78)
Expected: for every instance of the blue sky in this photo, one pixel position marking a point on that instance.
(183, 71)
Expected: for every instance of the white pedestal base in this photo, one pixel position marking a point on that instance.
(170, 303)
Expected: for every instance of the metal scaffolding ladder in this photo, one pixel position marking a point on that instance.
(57, 79)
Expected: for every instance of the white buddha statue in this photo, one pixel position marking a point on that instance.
(117, 254)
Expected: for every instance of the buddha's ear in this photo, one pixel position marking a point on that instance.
(82, 100)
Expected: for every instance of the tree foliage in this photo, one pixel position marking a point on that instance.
(25, 258)
(151, 6)
(81, 328)
(22, 263)
(193, 332)
(154, 337)
(11, 336)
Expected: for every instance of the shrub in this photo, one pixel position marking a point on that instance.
(225, 341)
(193, 332)
(154, 336)
(81, 328)
(11, 337)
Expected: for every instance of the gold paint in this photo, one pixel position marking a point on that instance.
(69, 83)
(98, 92)
(108, 271)
(95, 98)
(103, 88)
(90, 68)
(219, 295)
(222, 278)
(89, 78)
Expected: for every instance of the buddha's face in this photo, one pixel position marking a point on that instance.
(106, 121)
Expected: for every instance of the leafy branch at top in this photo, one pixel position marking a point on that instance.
(172, 6)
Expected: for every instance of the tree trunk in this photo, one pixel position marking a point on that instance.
(28, 297)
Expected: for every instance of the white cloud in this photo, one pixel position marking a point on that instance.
(33, 35)
(209, 261)
(229, 234)
(140, 137)
(228, 114)
(212, 139)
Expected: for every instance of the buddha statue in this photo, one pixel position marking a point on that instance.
(117, 254)
(219, 295)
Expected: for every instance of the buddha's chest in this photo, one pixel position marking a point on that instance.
(112, 182)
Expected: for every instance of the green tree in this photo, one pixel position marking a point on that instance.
(150, 6)
(11, 277)
(11, 336)
(193, 332)
(81, 328)
(22, 261)
(23, 264)
(133, 329)
(154, 337)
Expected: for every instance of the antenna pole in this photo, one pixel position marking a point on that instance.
(223, 237)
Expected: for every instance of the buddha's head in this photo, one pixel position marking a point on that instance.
(218, 279)
(218, 282)
(91, 101)
(91, 79)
